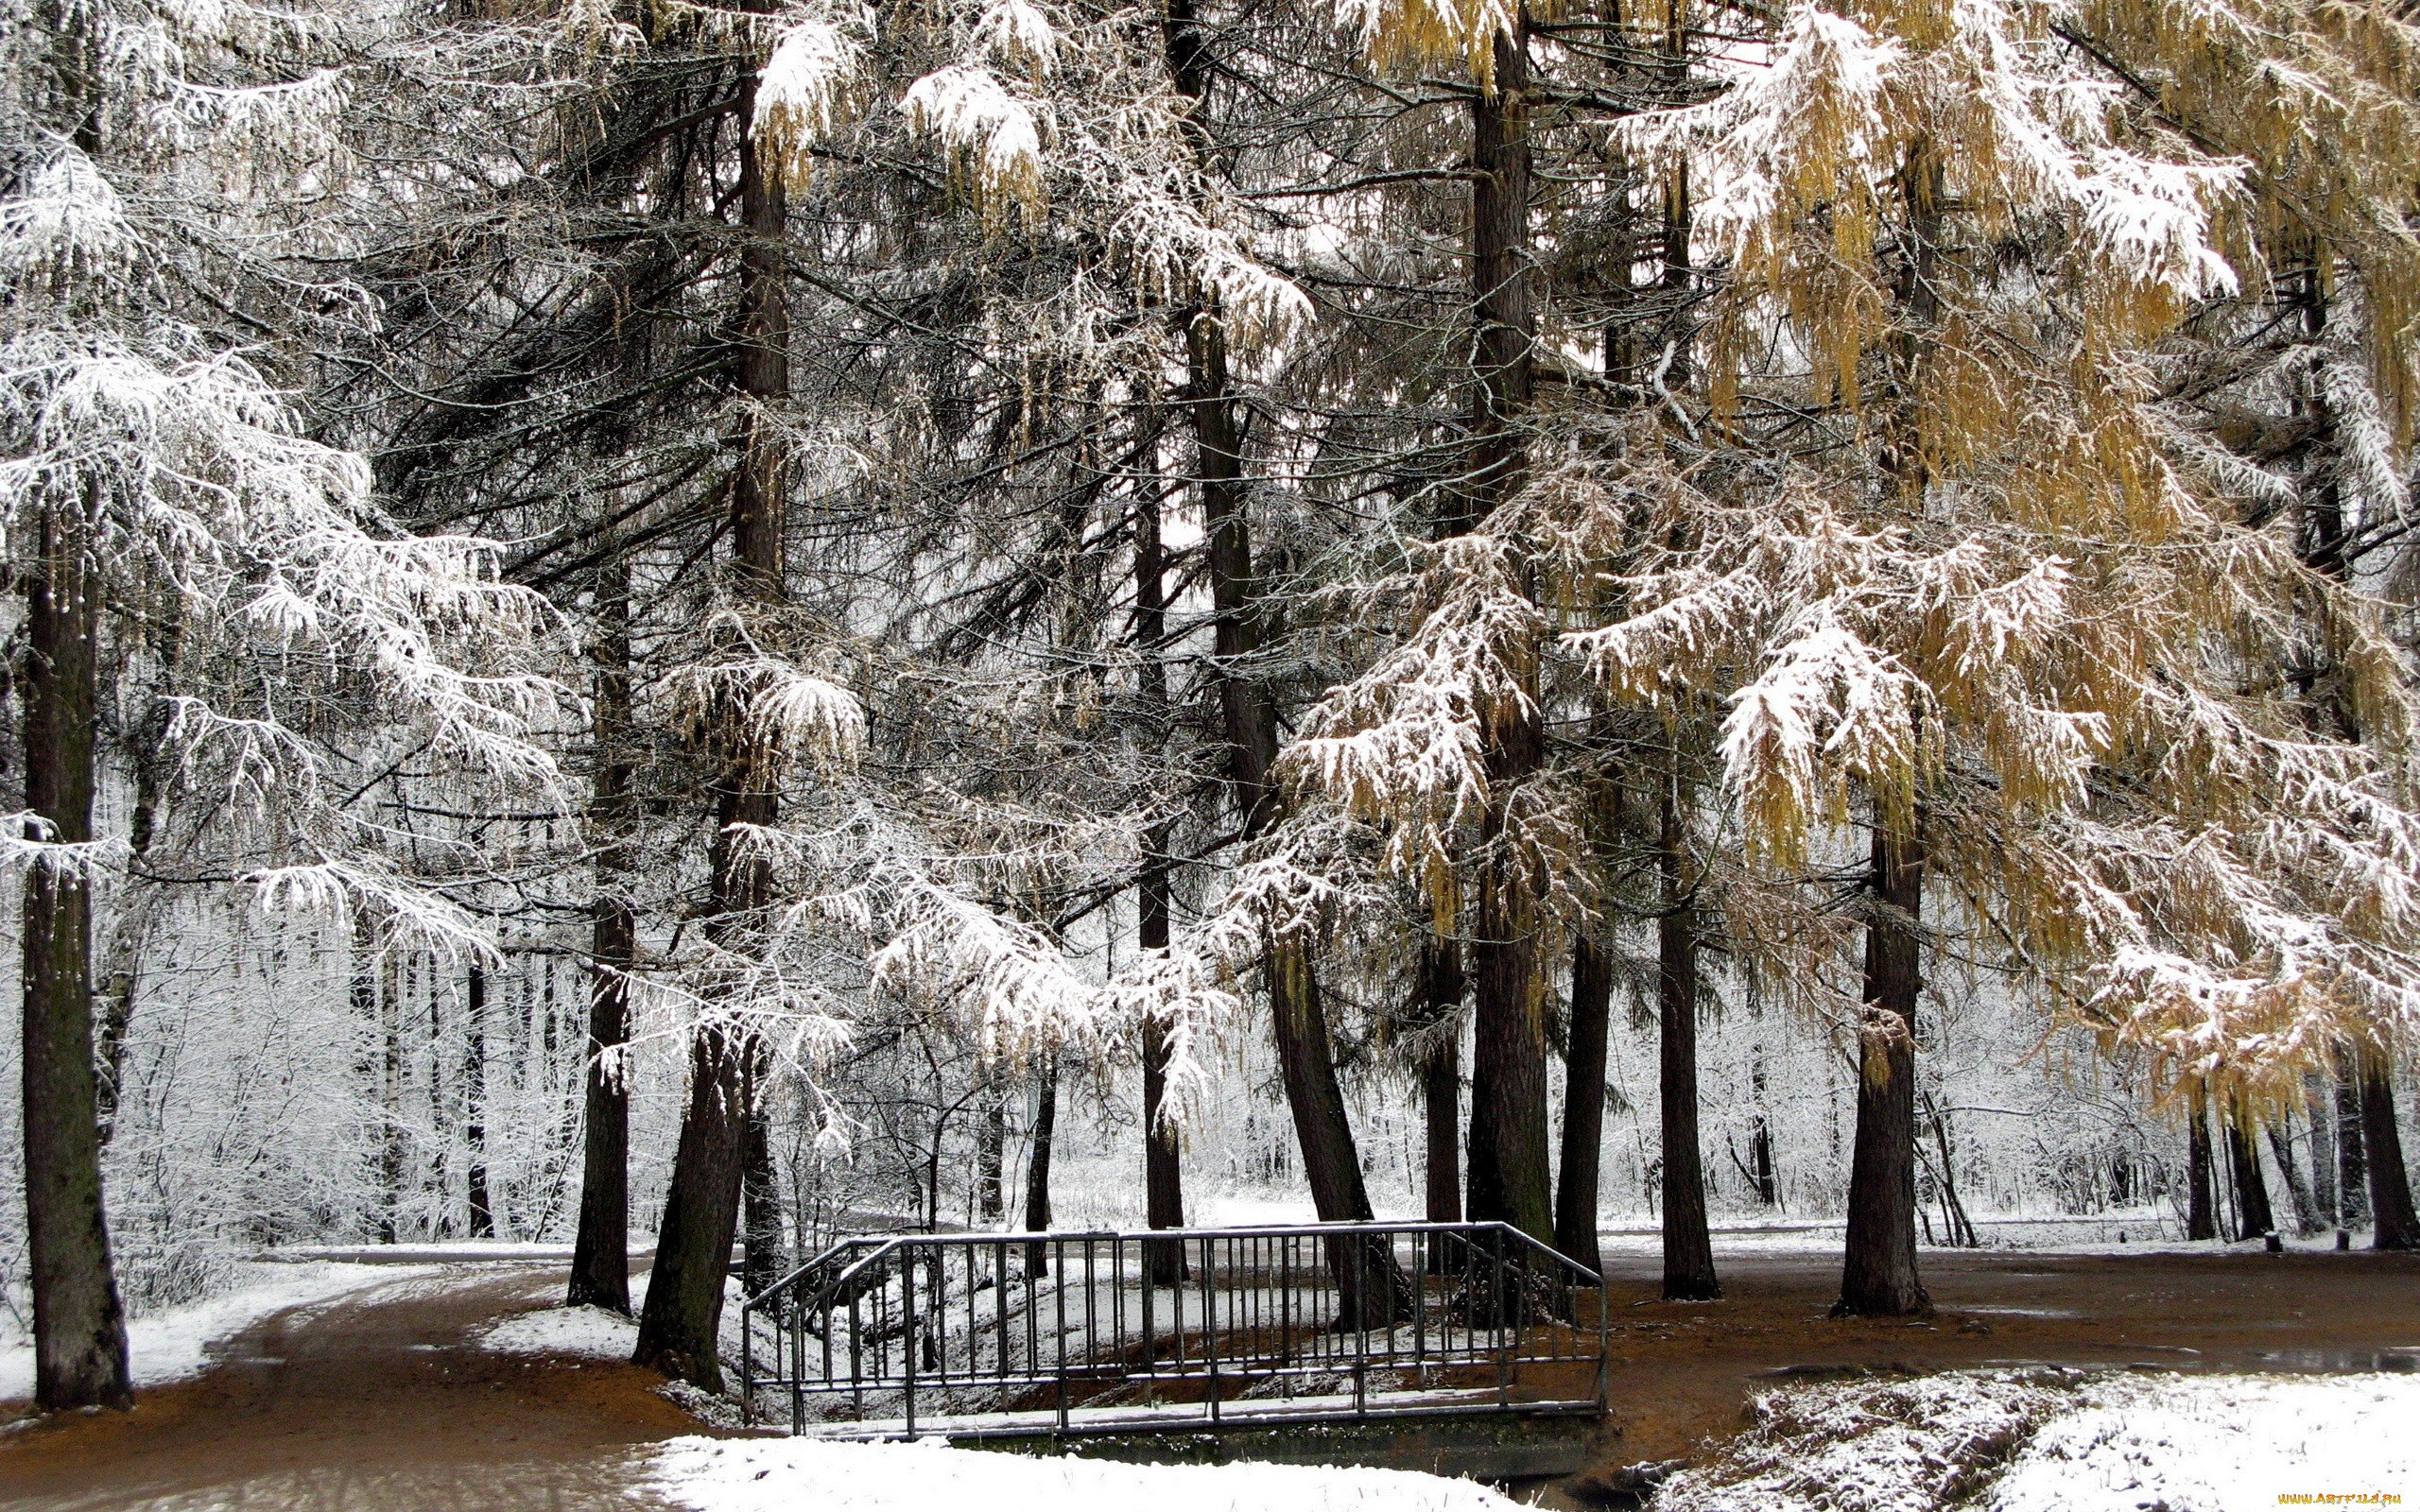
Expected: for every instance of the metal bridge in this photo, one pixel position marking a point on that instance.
(973, 1336)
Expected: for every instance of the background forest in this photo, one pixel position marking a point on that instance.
(638, 618)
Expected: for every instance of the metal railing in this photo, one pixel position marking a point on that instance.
(895, 1334)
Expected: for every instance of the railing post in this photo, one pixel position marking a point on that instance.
(747, 1369)
(907, 1343)
(1210, 1323)
(1360, 1326)
(1059, 1267)
(797, 1366)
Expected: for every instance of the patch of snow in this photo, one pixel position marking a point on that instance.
(173, 1345)
(780, 1475)
(578, 1332)
(2066, 1441)
(2221, 1443)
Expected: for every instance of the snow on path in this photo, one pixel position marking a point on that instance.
(2049, 1440)
(573, 1333)
(173, 1345)
(781, 1475)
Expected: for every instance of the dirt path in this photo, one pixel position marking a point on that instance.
(1681, 1371)
(374, 1403)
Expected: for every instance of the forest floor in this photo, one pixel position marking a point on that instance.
(386, 1400)
(1681, 1371)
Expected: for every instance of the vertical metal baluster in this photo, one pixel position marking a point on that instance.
(1286, 1309)
(856, 1360)
(1210, 1325)
(1058, 1274)
(1360, 1305)
(1504, 1353)
(797, 1364)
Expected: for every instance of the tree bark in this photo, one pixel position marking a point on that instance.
(79, 1327)
(2352, 1159)
(679, 1325)
(2394, 1226)
(2201, 1207)
(2306, 1216)
(1440, 1076)
(1584, 1105)
(601, 1266)
(764, 1261)
(1878, 1276)
(1689, 1249)
(1037, 1170)
(2322, 1110)
(2254, 1219)
(1163, 1171)
(475, 1100)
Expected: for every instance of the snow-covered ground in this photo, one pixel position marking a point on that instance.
(172, 1345)
(574, 1332)
(780, 1475)
(2065, 1441)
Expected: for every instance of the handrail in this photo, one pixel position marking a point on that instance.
(1274, 1320)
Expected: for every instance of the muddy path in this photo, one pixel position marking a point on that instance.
(372, 1404)
(377, 1404)
(1681, 1371)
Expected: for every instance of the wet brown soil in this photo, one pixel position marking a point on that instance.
(1681, 1371)
(374, 1403)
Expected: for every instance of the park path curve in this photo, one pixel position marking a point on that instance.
(379, 1401)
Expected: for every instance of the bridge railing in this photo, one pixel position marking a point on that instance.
(896, 1334)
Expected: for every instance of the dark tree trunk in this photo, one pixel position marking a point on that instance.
(678, 1326)
(2394, 1225)
(390, 1148)
(2253, 1217)
(1584, 1105)
(2322, 1109)
(1879, 1278)
(763, 1262)
(2306, 1216)
(1163, 1173)
(1037, 1170)
(80, 1328)
(1689, 1249)
(2352, 1159)
(2201, 1206)
(475, 1100)
(1509, 1178)
(1762, 1176)
(601, 1265)
(1440, 1076)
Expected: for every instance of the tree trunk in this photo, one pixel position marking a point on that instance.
(2352, 1159)
(1440, 1076)
(2201, 1207)
(2394, 1225)
(760, 1185)
(2306, 1216)
(1037, 1170)
(1163, 1171)
(1762, 1175)
(475, 1100)
(601, 1266)
(1879, 1278)
(991, 1151)
(2253, 1216)
(1689, 1249)
(2321, 1110)
(1583, 1105)
(80, 1328)
(678, 1326)
(391, 1147)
